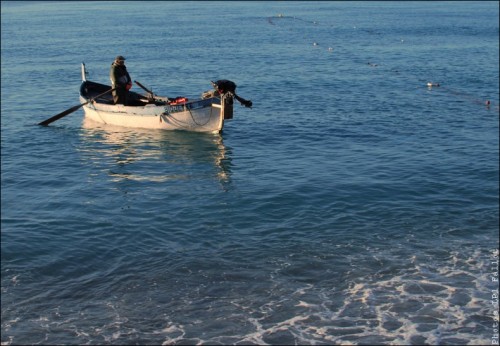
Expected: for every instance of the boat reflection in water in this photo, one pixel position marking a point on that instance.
(154, 155)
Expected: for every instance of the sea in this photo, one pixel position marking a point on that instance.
(356, 202)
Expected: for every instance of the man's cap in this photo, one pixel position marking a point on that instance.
(119, 57)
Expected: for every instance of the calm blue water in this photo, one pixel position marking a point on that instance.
(351, 205)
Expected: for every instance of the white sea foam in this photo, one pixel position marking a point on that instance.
(420, 305)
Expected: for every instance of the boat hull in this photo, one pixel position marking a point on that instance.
(197, 116)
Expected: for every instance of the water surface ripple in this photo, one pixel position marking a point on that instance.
(352, 205)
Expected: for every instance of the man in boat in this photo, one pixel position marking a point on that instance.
(120, 80)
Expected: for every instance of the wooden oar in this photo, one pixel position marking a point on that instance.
(143, 87)
(71, 110)
(151, 96)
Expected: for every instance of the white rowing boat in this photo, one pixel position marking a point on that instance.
(206, 114)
